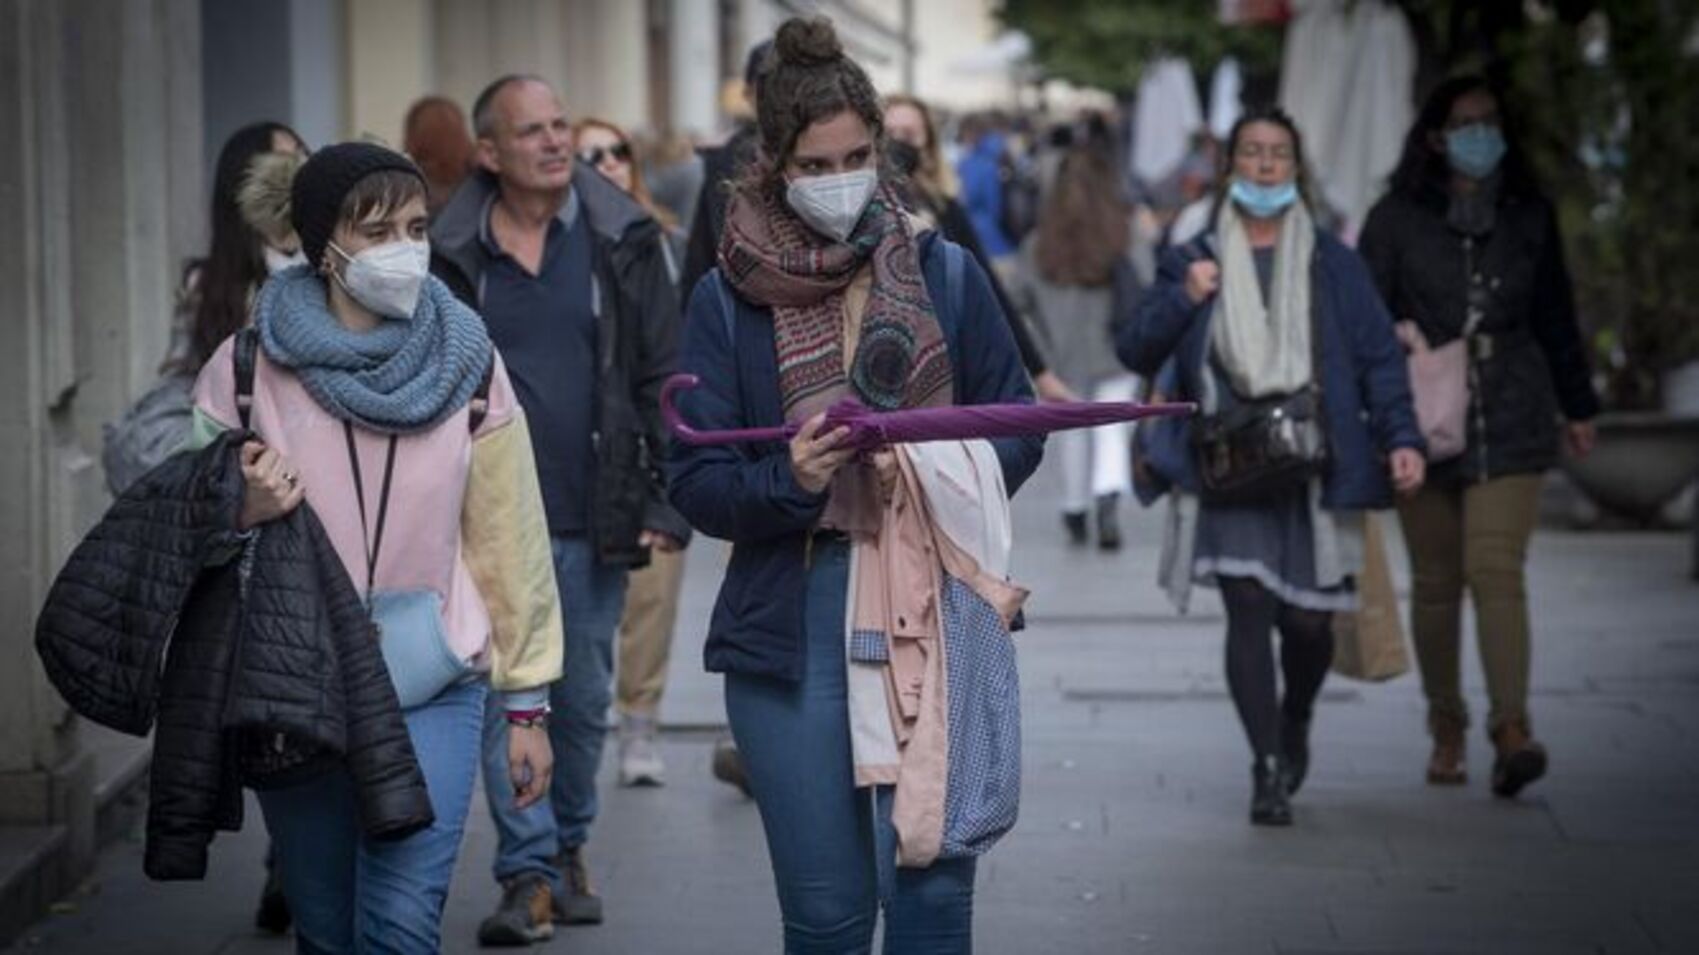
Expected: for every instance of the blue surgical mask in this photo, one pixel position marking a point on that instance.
(1475, 150)
(1260, 201)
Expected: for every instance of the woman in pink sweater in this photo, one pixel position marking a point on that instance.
(377, 398)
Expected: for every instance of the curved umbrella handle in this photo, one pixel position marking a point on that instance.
(669, 413)
(676, 424)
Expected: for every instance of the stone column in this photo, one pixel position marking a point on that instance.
(695, 48)
(389, 64)
(619, 59)
(476, 42)
(101, 156)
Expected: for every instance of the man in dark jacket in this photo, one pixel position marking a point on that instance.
(569, 275)
(721, 166)
(165, 615)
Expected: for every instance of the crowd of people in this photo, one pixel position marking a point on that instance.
(472, 335)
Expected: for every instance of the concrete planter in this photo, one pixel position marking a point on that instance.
(1680, 387)
(1642, 461)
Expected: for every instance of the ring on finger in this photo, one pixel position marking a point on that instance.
(292, 478)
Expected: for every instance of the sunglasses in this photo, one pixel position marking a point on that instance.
(595, 155)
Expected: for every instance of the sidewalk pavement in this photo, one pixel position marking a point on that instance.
(1133, 835)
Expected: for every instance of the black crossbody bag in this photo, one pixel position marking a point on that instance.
(1263, 448)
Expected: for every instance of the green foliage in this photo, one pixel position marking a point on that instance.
(1617, 144)
(1107, 43)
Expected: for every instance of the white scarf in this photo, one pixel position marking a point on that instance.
(1264, 349)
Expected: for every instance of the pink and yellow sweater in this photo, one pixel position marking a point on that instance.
(465, 514)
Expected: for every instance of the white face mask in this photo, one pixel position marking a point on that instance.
(387, 278)
(832, 205)
(276, 260)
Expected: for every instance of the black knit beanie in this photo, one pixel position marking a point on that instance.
(315, 200)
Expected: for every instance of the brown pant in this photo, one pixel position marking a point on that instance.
(646, 633)
(1474, 536)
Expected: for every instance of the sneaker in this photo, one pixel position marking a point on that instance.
(525, 915)
(727, 766)
(577, 903)
(639, 762)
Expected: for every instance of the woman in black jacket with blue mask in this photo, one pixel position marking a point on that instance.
(1277, 332)
(824, 290)
(1464, 246)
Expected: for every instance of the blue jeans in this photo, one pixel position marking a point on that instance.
(592, 596)
(832, 845)
(349, 893)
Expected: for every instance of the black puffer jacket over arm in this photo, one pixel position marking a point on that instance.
(252, 653)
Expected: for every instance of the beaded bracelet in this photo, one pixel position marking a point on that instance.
(528, 718)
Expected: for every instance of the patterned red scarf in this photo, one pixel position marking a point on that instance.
(772, 259)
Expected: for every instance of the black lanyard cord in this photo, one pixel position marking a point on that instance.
(372, 544)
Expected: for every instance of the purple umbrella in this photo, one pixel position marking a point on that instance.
(872, 429)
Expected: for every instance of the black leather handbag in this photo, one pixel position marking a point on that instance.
(1258, 450)
(1262, 448)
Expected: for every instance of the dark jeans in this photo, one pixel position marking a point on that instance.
(832, 845)
(528, 840)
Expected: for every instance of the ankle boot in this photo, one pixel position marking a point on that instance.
(1269, 803)
(1520, 759)
(1447, 764)
(1295, 746)
(1108, 522)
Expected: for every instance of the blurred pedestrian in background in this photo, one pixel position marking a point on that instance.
(984, 170)
(215, 293)
(674, 173)
(1279, 334)
(721, 167)
(1466, 248)
(651, 598)
(932, 188)
(1067, 280)
(824, 292)
(435, 134)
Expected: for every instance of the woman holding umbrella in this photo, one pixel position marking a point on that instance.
(824, 291)
(1277, 331)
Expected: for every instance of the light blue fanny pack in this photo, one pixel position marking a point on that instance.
(415, 645)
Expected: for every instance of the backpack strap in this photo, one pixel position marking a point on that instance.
(479, 408)
(728, 310)
(243, 357)
(955, 290)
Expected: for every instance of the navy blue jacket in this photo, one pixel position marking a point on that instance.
(1364, 380)
(747, 494)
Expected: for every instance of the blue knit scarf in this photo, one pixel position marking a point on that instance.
(402, 377)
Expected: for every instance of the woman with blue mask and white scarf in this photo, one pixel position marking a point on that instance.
(1465, 248)
(376, 398)
(1276, 330)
